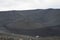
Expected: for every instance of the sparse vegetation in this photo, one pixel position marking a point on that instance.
(7, 36)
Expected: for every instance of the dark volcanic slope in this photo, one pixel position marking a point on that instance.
(24, 22)
(44, 32)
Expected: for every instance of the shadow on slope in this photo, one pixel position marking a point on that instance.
(43, 32)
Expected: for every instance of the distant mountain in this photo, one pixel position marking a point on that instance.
(31, 22)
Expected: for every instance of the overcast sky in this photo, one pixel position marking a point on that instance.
(28, 4)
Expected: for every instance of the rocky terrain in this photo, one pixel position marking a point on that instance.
(43, 22)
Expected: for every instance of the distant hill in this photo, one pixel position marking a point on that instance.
(31, 22)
